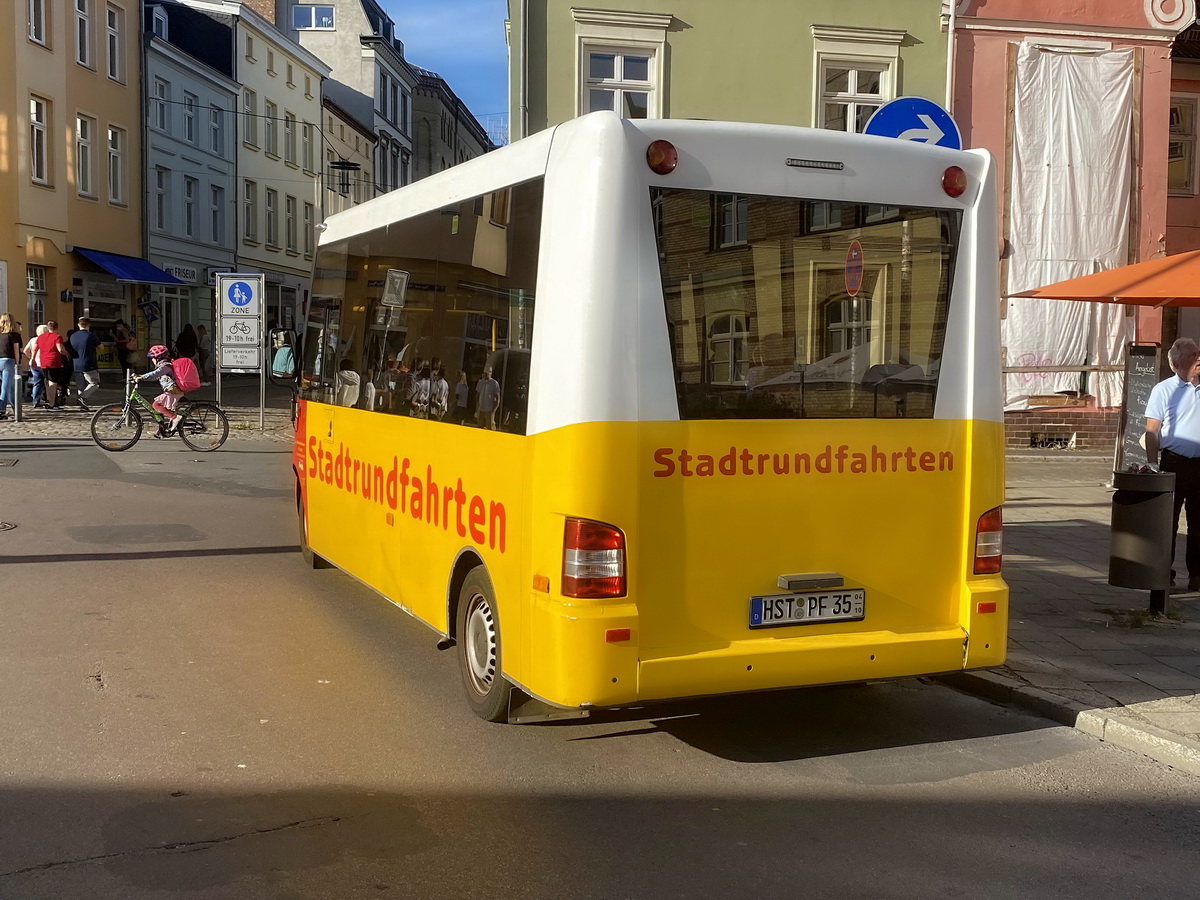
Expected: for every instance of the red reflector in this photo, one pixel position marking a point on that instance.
(662, 157)
(987, 606)
(616, 635)
(954, 181)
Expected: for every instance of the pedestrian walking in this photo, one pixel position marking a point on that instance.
(87, 369)
(487, 398)
(37, 379)
(126, 344)
(1173, 437)
(203, 350)
(10, 354)
(439, 395)
(462, 398)
(56, 365)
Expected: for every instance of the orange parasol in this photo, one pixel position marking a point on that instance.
(1170, 281)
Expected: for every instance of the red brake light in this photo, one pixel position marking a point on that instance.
(593, 560)
(662, 157)
(989, 535)
(954, 181)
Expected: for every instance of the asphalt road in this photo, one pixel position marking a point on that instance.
(187, 711)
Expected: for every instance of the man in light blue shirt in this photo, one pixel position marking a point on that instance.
(1173, 432)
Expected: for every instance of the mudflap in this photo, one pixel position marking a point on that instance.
(523, 709)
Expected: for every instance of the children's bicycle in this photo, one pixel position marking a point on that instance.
(118, 426)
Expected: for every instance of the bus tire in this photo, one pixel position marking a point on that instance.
(311, 559)
(478, 641)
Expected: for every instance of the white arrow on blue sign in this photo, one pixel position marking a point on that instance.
(915, 119)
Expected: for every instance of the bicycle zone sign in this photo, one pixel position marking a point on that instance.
(240, 326)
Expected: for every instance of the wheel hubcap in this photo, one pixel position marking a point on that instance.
(481, 644)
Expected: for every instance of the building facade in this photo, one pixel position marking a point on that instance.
(357, 39)
(278, 145)
(349, 157)
(190, 136)
(818, 63)
(1077, 114)
(70, 172)
(445, 133)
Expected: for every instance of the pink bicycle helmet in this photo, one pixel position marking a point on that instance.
(158, 351)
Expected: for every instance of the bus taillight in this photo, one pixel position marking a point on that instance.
(989, 536)
(593, 560)
(954, 181)
(662, 157)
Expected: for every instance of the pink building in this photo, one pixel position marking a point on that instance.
(1074, 99)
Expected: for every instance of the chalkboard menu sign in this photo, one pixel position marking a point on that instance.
(1141, 374)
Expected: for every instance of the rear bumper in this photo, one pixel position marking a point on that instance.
(756, 665)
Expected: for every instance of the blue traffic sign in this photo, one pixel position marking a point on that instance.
(240, 293)
(915, 119)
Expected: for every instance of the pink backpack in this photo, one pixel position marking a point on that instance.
(187, 378)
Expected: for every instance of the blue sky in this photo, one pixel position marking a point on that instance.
(461, 40)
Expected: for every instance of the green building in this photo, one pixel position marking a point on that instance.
(821, 63)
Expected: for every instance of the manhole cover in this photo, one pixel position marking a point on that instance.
(7, 526)
(8, 462)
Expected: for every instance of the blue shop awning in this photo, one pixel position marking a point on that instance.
(128, 268)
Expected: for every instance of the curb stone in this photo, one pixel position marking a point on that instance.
(1106, 724)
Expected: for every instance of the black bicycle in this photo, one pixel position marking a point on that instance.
(118, 426)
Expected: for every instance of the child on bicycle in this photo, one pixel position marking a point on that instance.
(165, 403)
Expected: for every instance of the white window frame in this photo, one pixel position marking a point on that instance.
(216, 206)
(1188, 143)
(250, 211)
(191, 187)
(37, 22)
(162, 191)
(289, 138)
(608, 31)
(735, 339)
(272, 210)
(216, 129)
(250, 112)
(311, 9)
(35, 281)
(114, 31)
(116, 164)
(162, 96)
(190, 133)
(731, 220)
(306, 146)
(877, 49)
(309, 225)
(289, 223)
(83, 32)
(270, 128)
(85, 131)
(159, 23)
(619, 85)
(39, 145)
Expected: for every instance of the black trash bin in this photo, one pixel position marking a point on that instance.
(1140, 552)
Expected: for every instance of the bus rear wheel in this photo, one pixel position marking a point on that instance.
(478, 642)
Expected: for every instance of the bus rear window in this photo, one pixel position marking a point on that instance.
(780, 308)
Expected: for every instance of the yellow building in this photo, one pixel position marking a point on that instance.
(70, 164)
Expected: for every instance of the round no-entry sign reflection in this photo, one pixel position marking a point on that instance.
(854, 268)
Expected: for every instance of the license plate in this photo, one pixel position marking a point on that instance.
(808, 608)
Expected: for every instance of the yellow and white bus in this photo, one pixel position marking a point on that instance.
(723, 412)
